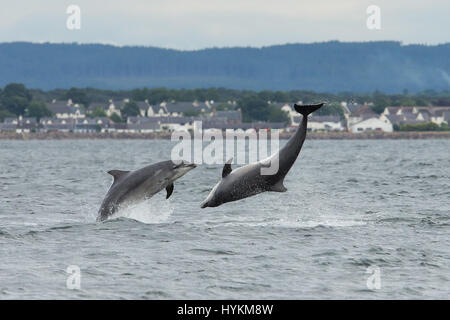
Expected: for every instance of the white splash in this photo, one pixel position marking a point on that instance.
(154, 210)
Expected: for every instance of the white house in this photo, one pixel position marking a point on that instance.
(325, 123)
(360, 114)
(112, 109)
(371, 124)
(440, 116)
(109, 108)
(143, 127)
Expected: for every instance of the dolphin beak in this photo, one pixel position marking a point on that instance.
(204, 205)
(184, 164)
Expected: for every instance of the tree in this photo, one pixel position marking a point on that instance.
(130, 109)
(191, 113)
(38, 110)
(280, 96)
(158, 95)
(15, 98)
(277, 115)
(380, 102)
(98, 112)
(77, 96)
(116, 118)
(429, 126)
(5, 114)
(330, 109)
(224, 107)
(254, 108)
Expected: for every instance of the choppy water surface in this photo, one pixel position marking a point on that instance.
(350, 205)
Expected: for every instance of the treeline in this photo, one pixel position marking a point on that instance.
(86, 96)
(16, 99)
(429, 126)
(329, 66)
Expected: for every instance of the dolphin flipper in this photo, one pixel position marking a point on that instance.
(278, 187)
(169, 190)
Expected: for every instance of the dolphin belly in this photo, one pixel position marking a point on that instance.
(143, 192)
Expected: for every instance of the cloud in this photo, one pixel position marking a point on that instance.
(193, 24)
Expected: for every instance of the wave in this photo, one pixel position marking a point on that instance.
(296, 223)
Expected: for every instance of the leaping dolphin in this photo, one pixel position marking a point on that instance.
(247, 181)
(136, 186)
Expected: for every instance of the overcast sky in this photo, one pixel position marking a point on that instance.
(195, 24)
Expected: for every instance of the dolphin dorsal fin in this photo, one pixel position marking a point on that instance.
(117, 174)
(227, 168)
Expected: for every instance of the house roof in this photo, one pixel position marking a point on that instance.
(27, 120)
(46, 120)
(393, 118)
(447, 115)
(142, 105)
(425, 114)
(94, 121)
(172, 120)
(103, 105)
(364, 112)
(134, 119)
(144, 126)
(58, 107)
(392, 110)
(183, 106)
(269, 125)
(118, 125)
(214, 123)
(59, 126)
(230, 115)
(10, 120)
(407, 109)
(63, 107)
(407, 118)
(431, 110)
(352, 106)
(7, 127)
(244, 126)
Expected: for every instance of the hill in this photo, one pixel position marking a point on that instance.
(325, 67)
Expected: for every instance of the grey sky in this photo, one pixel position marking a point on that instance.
(194, 24)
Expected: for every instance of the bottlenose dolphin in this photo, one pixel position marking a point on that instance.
(247, 181)
(136, 186)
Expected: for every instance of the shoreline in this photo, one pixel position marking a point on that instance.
(411, 135)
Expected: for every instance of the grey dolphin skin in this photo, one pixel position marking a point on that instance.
(135, 186)
(247, 181)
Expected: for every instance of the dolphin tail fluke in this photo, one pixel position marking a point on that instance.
(307, 109)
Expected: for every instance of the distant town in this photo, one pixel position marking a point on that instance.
(21, 113)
